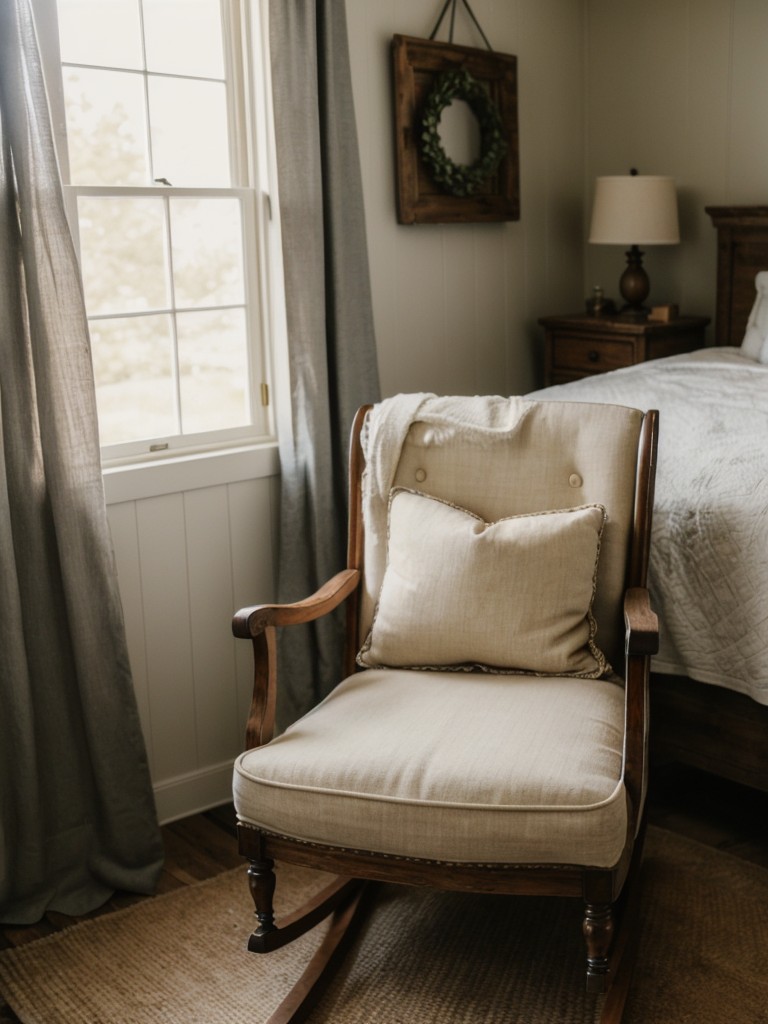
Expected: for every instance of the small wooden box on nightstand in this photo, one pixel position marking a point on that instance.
(580, 345)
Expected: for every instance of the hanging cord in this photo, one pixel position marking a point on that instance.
(452, 4)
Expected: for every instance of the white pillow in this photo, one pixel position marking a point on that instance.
(514, 595)
(755, 343)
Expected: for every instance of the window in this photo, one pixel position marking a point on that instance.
(160, 158)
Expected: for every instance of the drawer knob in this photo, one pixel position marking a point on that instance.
(593, 355)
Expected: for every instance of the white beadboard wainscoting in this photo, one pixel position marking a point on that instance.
(194, 541)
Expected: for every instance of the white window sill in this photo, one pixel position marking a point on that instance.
(189, 472)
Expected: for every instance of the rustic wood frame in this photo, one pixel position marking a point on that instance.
(420, 200)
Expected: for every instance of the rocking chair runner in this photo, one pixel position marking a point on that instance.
(497, 559)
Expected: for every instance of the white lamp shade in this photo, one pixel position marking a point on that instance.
(637, 209)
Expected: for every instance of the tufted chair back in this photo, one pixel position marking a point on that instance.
(502, 457)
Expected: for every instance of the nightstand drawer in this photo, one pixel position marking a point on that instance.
(586, 355)
(579, 345)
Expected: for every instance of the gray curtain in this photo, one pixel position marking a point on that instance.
(332, 352)
(76, 807)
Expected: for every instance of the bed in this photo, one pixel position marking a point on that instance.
(709, 565)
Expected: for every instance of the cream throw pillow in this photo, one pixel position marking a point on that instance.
(514, 595)
(755, 341)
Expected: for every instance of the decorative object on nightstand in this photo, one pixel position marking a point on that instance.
(598, 305)
(663, 314)
(582, 344)
(634, 209)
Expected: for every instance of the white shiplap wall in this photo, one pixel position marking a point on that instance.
(190, 549)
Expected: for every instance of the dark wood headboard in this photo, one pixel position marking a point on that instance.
(742, 250)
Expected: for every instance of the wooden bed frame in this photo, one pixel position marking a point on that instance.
(697, 724)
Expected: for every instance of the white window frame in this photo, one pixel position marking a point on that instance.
(249, 451)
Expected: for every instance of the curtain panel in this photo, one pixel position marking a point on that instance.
(332, 349)
(77, 817)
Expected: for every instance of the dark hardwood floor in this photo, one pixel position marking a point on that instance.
(710, 810)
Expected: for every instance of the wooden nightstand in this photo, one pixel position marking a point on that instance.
(580, 345)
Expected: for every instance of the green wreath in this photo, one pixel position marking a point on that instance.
(461, 179)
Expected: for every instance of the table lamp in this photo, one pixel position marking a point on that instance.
(634, 210)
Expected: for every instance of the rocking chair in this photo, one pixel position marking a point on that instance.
(489, 733)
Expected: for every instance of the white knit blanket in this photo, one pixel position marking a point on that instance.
(386, 429)
(709, 557)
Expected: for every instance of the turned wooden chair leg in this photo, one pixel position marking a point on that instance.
(598, 932)
(261, 881)
(626, 940)
(271, 934)
(341, 900)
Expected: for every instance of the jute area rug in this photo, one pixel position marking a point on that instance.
(419, 957)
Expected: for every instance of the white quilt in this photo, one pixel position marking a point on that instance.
(709, 557)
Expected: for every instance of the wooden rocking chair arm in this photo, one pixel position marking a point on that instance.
(250, 622)
(641, 622)
(642, 640)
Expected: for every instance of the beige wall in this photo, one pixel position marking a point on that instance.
(678, 87)
(456, 306)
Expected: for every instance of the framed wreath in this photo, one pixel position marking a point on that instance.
(432, 188)
(461, 179)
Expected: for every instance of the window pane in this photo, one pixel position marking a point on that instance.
(133, 367)
(105, 32)
(201, 52)
(106, 129)
(188, 125)
(213, 370)
(207, 246)
(123, 254)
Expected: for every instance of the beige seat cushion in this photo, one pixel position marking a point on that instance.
(455, 767)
